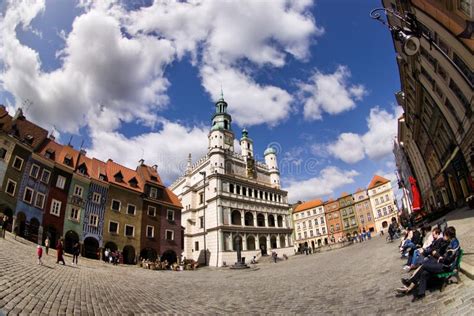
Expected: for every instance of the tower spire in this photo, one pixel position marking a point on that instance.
(222, 94)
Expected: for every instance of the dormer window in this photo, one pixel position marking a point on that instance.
(133, 182)
(118, 177)
(68, 160)
(153, 178)
(29, 139)
(82, 169)
(49, 153)
(102, 177)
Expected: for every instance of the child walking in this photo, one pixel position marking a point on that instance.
(39, 252)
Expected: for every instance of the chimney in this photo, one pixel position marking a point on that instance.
(18, 114)
(83, 152)
(141, 162)
(155, 167)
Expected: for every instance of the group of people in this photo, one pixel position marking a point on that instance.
(76, 250)
(3, 225)
(112, 257)
(428, 252)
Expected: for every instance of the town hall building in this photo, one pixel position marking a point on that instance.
(230, 200)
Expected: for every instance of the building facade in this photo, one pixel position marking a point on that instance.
(309, 222)
(382, 201)
(232, 201)
(437, 98)
(348, 215)
(363, 211)
(333, 220)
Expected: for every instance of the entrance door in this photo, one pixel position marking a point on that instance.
(70, 240)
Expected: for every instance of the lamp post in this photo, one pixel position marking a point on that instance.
(410, 34)
(203, 173)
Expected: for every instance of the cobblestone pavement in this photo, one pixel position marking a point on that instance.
(358, 279)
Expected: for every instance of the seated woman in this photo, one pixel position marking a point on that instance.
(446, 262)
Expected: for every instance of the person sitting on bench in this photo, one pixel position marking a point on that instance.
(432, 266)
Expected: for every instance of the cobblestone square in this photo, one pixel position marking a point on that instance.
(359, 279)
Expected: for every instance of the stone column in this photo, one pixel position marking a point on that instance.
(287, 240)
(254, 219)
(229, 215)
(242, 217)
(244, 242)
(266, 219)
(268, 243)
(257, 241)
(278, 241)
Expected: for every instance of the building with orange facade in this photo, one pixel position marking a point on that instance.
(333, 221)
(363, 210)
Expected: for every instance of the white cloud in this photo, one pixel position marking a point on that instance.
(328, 180)
(165, 148)
(249, 102)
(330, 93)
(376, 143)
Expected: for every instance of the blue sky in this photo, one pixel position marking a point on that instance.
(317, 80)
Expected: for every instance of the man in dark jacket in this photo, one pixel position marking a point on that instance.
(446, 262)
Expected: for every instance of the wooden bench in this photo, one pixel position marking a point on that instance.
(445, 276)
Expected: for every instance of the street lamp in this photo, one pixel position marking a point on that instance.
(410, 34)
(203, 173)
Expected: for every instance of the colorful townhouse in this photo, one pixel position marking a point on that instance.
(310, 224)
(32, 196)
(124, 211)
(78, 194)
(65, 160)
(161, 228)
(94, 208)
(382, 201)
(348, 215)
(333, 220)
(23, 138)
(6, 144)
(363, 210)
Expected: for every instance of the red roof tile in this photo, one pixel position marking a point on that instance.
(22, 129)
(308, 205)
(149, 174)
(377, 181)
(114, 168)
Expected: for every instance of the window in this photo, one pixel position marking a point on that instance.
(129, 230)
(153, 193)
(315, 221)
(201, 198)
(28, 195)
(93, 220)
(464, 68)
(75, 214)
(34, 171)
(39, 201)
(324, 230)
(379, 213)
(299, 235)
(131, 209)
(385, 211)
(55, 208)
(465, 6)
(78, 190)
(151, 211)
(169, 235)
(61, 182)
(170, 215)
(96, 197)
(369, 217)
(337, 227)
(305, 235)
(17, 163)
(150, 231)
(3, 153)
(321, 220)
(196, 245)
(45, 176)
(116, 205)
(11, 187)
(376, 201)
(113, 227)
(457, 91)
(362, 220)
(311, 233)
(201, 222)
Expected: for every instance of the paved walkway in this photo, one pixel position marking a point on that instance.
(359, 279)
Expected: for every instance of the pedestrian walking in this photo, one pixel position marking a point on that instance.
(39, 252)
(59, 249)
(106, 255)
(76, 249)
(46, 244)
(274, 256)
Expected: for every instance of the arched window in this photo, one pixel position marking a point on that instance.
(271, 220)
(282, 241)
(236, 219)
(260, 220)
(248, 219)
(273, 242)
(280, 221)
(237, 241)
